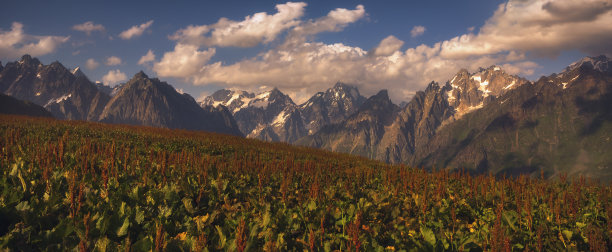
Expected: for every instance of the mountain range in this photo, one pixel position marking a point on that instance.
(69, 94)
(485, 121)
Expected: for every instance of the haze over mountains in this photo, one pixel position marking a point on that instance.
(486, 121)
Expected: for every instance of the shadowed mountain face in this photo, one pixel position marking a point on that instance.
(14, 106)
(69, 94)
(66, 94)
(151, 102)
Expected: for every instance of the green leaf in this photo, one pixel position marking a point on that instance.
(327, 246)
(312, 205)
(188, 205)
(266, 219)
(428, 235)
(122, 208)
(124, 228)
(222, 238)
(23, 206)
(144, 244)
(139, 218)
(510, 217)
(101, 244)
(568, 234)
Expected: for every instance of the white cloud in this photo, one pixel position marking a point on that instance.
(113, 77)
(541, 27)
(516, 33)
(184, 61)
(88, 27)
(335, 20)
(113, 61)
(388, 46)
(15, 43)
(91, 64)
(417, 31)
(253, 30)
(149, 57)
(135, 31)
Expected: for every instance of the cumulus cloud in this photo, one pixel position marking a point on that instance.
(113, 61)
(135, 31)
(185, 61)
(91, 64)
(113, 77)
(335, 20)
(417, 31)
(541, 27)
(388, 46)
(149, 57)
(88, 27)
(517, 32)
(14, 43)
(253, 30)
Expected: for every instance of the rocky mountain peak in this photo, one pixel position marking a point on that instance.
(432, 87)
(78, 73)
(466, 91)
(600, 63)
(140, 75)
(28, 60)
(378, 102)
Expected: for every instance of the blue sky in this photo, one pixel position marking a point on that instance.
(347, 45)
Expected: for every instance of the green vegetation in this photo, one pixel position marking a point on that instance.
(76, 185)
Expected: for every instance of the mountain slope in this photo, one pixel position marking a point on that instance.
(560, 124)
(361, 132)
(14, 106)
(331, 106)
(273, 116)
(416, 122)
(151, 102)
(66, 94)
(270, 116)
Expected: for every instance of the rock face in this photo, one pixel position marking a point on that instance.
(273, 116)
(361, 132)
(269, 116)
(331, 106)
(151, 102)
(490, 121)
(69, 94)
(13, 106)
(559, 124)
(66, 94)
(410, 127)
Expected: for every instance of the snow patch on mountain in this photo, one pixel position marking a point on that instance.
(58, 100)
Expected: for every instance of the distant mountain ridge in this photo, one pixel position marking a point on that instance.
(14, 106)
(69, 94)
(273, 116)
(485, 121)
(490, 121)
(54, 87)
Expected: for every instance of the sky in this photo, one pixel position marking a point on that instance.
(305, 47)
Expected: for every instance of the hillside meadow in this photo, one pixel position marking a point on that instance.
(72, 185)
